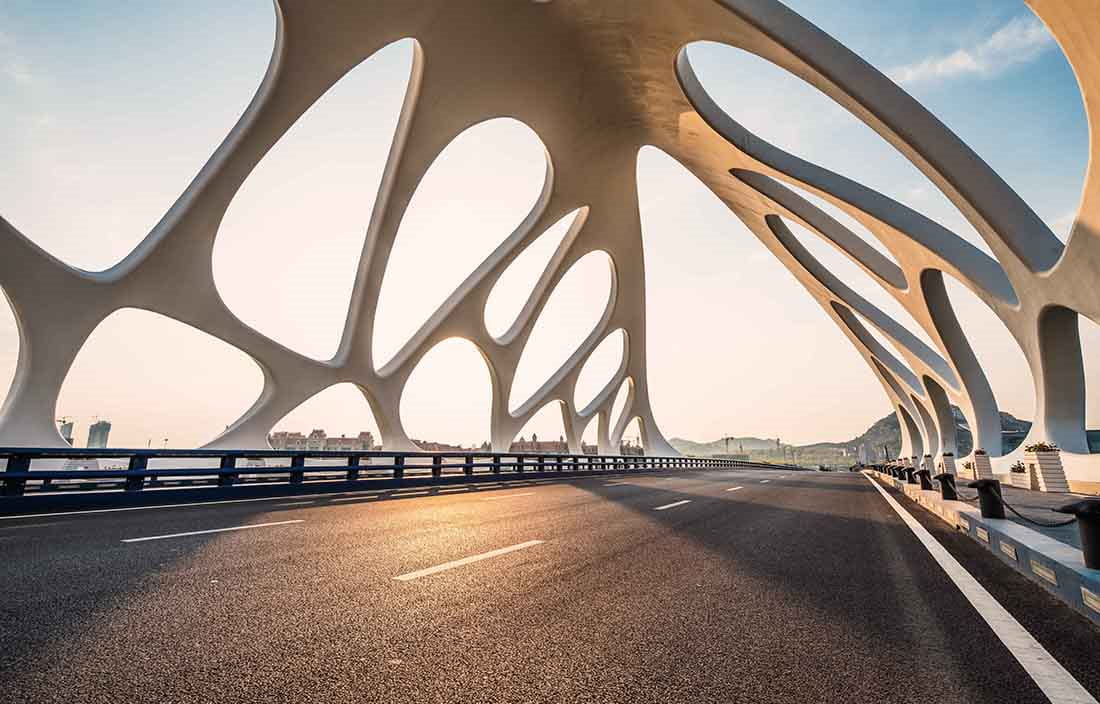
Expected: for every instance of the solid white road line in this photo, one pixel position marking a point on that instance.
(508, 496)
(465, 561)
(214, 530)
(765, 481)
(1057, 684)
(673, 505)
(735, 488)
(294, 503)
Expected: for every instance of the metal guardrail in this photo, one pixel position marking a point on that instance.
(1086, 513)
(142, 471)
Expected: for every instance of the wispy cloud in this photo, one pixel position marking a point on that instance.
(1022, 40)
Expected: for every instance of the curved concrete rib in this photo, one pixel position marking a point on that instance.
(597, 81)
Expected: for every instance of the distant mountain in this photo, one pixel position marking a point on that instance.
(883, 432)
(886, 432)
(718, 447)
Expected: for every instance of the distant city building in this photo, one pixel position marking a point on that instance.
(65, 427)
(98, 432)
(430, 446)
(557, 447)
(318, 440)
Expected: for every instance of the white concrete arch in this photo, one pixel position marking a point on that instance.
(594, 101)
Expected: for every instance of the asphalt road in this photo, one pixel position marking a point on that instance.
(795, 587)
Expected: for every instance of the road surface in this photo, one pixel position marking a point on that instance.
(702, 586)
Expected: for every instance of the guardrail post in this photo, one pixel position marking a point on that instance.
(989, 497)
(297, 469)
(437, 466)
(138, 463)
(519, 464)
(1088, 525)
(576, 464)
(353, 468)
(925, 477)
(399, 467)
(947, 486)
(468, 468)
(13, 486)
(542, 463)
(227, 478)
(496, 464)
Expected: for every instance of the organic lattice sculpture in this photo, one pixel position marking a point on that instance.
(598, 80)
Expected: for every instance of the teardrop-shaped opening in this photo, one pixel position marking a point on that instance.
(1090, 347)
(9, 347)
(573, 311)
(633, 441)
(110, 114)
(336, 418)
(448, 397)
(473, 197)
(997, 353)
(289, 246)
(622, 402)
(600, 369)
(854, 277)
(706, 271)
(514, 287)
(787, 112)
(543, 432)
(158, 382)
(590, 437)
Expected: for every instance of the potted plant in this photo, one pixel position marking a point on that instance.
(1044, 460)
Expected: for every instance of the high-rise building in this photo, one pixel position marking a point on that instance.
(66, 429)
(98, 432)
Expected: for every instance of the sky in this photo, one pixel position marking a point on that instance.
(109, 109)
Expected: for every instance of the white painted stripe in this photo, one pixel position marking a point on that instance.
(1057, 684)
(294, 503)
(735, 488)
(401, 494)
(214, 530)
(355, 498)
(673, 505)
(465, 561)
(765, 481)
(508, 496)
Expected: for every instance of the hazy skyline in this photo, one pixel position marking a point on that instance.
(736, 346)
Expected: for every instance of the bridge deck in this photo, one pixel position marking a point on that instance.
(795, 587)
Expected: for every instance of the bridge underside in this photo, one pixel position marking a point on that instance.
(597, 81)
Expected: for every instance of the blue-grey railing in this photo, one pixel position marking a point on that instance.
(148, 468)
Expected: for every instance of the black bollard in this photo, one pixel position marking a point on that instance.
(1088, 525)
(947, 486)
(989, 497)
(909, 478)
(925, 479)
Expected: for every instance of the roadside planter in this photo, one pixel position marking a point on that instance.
(947, 463)
(982, 467)
(1021, 477)
(1044, 467)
